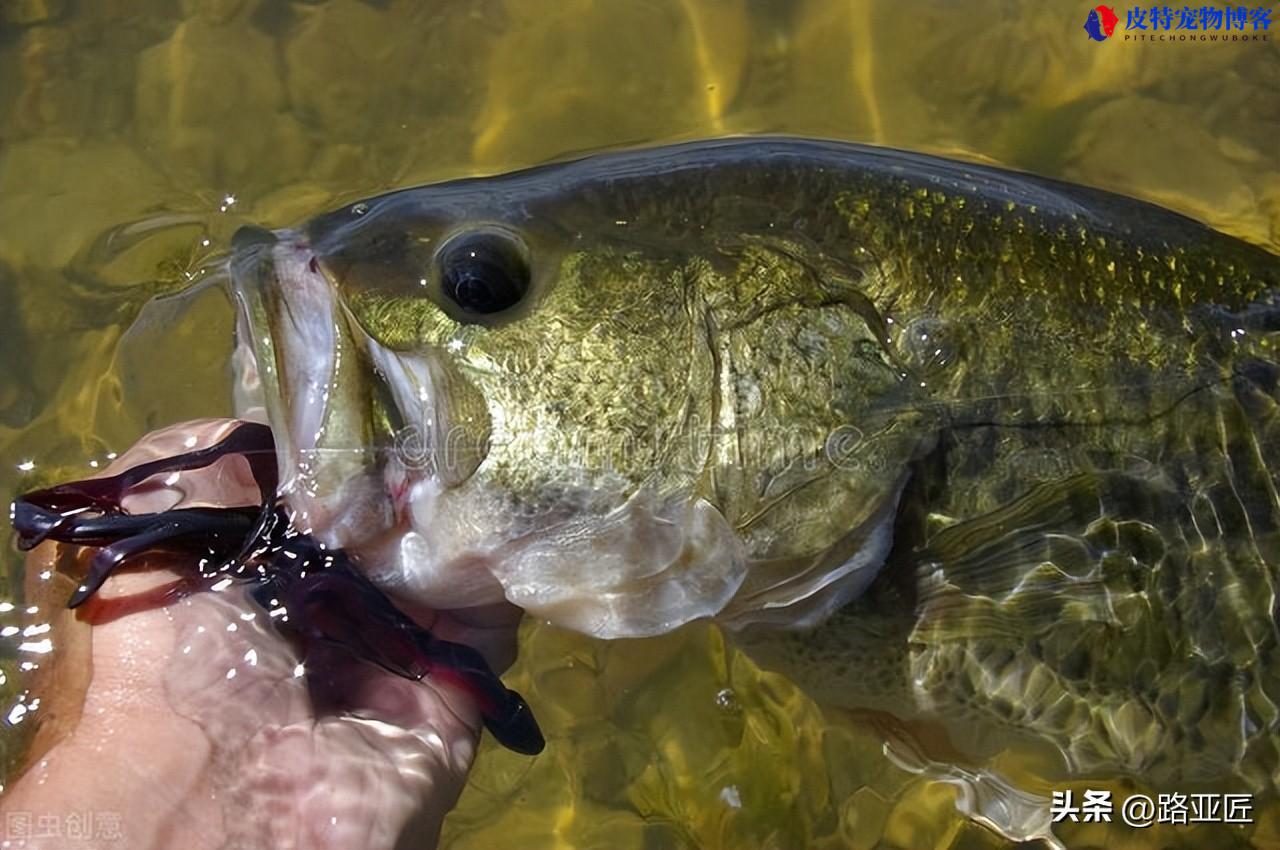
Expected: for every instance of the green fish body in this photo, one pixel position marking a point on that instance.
(1001, 448)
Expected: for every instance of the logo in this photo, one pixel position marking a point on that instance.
(1101, 23)
(1166, 23)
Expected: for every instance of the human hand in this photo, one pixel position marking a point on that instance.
(202, 727)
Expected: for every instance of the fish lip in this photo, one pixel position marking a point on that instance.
(256, 283)
(299, 333)
(295, 266)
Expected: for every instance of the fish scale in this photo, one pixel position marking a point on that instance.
(1003, 447)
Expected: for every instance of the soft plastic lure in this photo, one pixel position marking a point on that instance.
(324, 597)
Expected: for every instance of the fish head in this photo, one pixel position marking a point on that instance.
(619, 425)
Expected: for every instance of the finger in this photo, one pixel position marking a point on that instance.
(227, 481)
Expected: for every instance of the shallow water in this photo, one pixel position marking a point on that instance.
(136, 137)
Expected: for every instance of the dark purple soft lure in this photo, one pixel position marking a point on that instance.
(324, 597)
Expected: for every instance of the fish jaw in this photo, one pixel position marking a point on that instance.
(299, 368)
(306, 368)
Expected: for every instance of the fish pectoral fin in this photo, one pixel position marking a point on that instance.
(1092, 614)
(799, 593)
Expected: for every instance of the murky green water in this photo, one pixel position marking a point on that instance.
(135, 137)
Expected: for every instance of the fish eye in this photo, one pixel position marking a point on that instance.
(483, 272)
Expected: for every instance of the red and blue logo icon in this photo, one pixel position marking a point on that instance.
(1101, 23)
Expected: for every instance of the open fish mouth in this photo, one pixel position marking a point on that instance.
(360, 431)
(297, 368)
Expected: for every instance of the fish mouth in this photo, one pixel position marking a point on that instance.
(369, 440)
(357, 426)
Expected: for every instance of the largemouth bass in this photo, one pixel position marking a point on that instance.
(743, 379)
